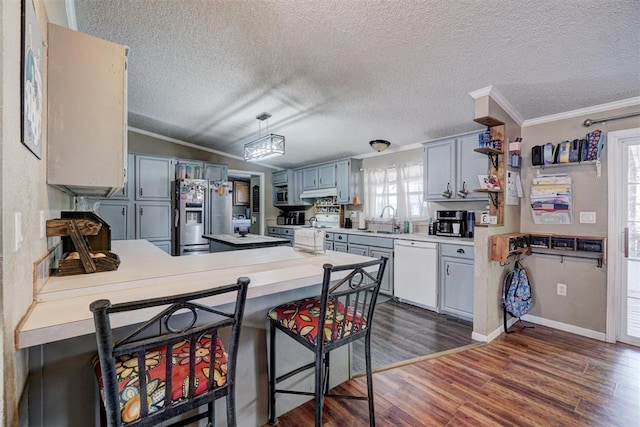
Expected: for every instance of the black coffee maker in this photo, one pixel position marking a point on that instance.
(451, 223)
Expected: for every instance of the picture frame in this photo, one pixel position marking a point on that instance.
(31, 84)
(489, 182)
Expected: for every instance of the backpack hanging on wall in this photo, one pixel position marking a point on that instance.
(516, 295)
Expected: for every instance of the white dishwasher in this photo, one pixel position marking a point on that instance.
(415, 273)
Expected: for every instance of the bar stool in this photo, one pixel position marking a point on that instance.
(183, 368)
(342, 314)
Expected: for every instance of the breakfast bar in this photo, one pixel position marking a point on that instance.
(58, 328)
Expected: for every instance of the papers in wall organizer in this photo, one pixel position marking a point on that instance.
(551, 199)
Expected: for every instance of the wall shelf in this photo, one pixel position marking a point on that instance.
(496, 166)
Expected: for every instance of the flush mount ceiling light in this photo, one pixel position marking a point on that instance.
(379, 144)
(265, 147)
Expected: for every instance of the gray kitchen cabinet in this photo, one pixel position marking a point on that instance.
(153, 221)
(456, 280)
(296, 189)
(164, 245)
(327, 176)
(215, 171)
(452, 167)
(87, 113)
(154, 175)
(375, 247)
(359, 250)
(127, 190)
(117, 213)
(469, 165)
(310, 178)
(348, 180)
(279, 178)
(282, 232)
(386, 287)
(339, 247)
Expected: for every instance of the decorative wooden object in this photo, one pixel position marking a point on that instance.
(496, 166)
(75, 232)
(241, 193)
(504, 246)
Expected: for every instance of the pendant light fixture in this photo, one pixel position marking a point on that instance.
(265, 147)
(379, 144)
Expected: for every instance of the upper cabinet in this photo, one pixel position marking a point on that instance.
(215, 171)
(310, 178)
(349, 181)
(327, 176)
(452, 168)
(153, 177)
(87, 113)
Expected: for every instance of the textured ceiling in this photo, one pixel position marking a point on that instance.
(335, 73)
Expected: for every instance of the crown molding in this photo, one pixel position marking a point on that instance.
(70, 8)
(629, 102)
(499, 99)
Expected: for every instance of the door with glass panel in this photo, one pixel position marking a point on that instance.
(629, 266)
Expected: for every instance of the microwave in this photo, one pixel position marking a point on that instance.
(282, 195)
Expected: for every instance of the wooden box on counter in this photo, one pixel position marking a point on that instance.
(86, 243)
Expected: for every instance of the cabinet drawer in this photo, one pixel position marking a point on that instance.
(458, 251)
(328, 237)
(340, 237)
(380, 242)
(273, 230)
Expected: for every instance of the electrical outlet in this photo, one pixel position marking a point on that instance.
(562, 289)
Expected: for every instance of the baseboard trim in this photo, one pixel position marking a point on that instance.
(494, 334)
(600, 336)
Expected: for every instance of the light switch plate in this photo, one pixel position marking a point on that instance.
(587, 217)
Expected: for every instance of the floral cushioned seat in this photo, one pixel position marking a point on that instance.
(301, 317)
(155, 359)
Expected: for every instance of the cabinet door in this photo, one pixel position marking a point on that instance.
(386, 287)
(165, 245)
(470, 164)
(153, 177)
(215, 172)
(240, 193)
(296, 189)
(153, 220)
(279, 177)
(457, 287)
(328, 245)
(327, 176)
(129, 187)
(343, 181)
(119, 217)
(87, 113)
(439, 164)
(310, 178)
(359, 250)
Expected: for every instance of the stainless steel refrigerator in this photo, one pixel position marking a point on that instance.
(200, 207)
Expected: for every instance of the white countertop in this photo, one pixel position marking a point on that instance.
(61, 309)
(423, 237)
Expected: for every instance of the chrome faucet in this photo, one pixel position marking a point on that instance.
(395, 227)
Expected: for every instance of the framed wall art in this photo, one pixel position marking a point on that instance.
(31, 80)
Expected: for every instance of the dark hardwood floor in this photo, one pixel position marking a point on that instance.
(534, 377)
(402, 332)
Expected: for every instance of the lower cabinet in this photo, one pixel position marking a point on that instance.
(282, 232)
(375, 247)
(456, 280)
(153, 222)
(119, 217)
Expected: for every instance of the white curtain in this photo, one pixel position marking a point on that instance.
(399, 186)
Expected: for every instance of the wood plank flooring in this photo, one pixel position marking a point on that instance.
(534, 377)
(402, 332)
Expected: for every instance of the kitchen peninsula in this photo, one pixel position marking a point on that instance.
(58, 328)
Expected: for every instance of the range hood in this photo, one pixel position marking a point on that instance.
(316, 194)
